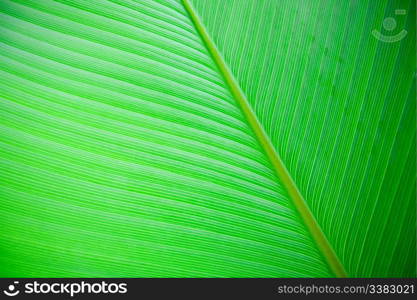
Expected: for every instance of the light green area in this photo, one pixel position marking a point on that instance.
(125, 151)
(339, 107)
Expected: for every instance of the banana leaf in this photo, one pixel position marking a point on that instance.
(207, 138)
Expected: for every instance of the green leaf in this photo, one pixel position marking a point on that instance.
(339, 107)
(128, 149)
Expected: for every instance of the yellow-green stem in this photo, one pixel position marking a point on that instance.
(280, 169)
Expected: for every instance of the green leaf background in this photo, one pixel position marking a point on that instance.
(126, 152)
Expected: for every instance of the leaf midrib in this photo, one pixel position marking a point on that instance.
(279, 167)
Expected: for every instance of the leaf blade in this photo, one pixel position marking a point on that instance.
(333, 99)
(111, 171)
